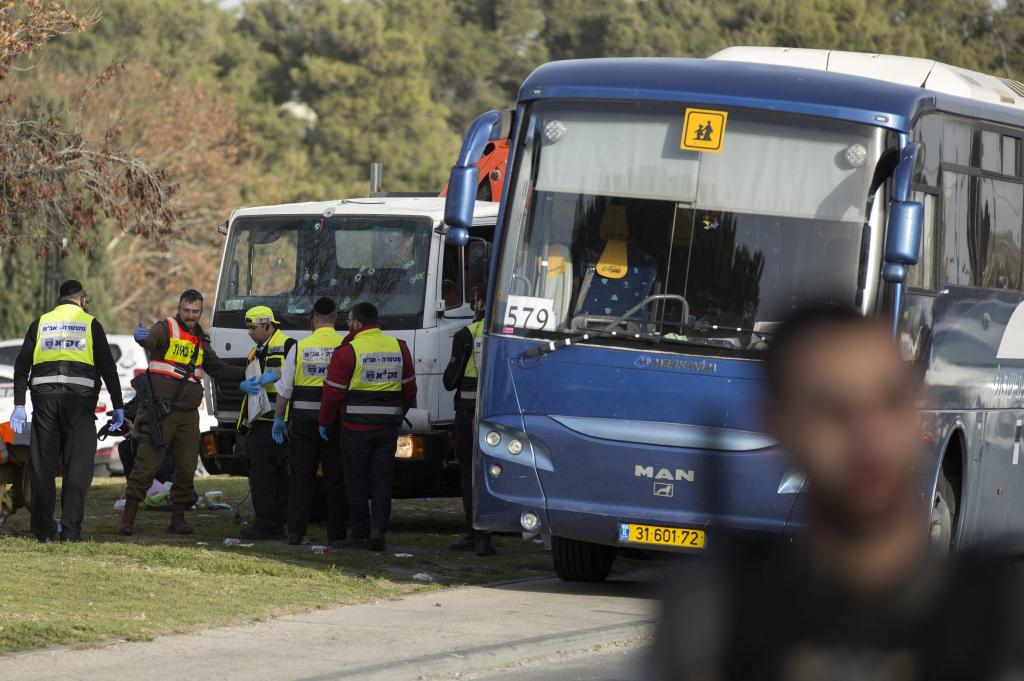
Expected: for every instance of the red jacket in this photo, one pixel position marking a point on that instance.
(339, 372)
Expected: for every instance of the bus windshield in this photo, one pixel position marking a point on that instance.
(287, 263)
(614, 228)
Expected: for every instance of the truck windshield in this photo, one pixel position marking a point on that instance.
(613, 227)
(287, 263)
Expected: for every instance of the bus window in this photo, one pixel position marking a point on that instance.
(1001, 207)
(922, 275)
(956, 263)
(928, 131)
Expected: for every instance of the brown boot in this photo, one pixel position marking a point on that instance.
(131, 507)
(178, 524)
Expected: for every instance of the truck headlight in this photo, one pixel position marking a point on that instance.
(515, 446)
(410, 447)
(493, 438)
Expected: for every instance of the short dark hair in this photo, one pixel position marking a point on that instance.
(365, 313)
(478, 293)
(70, 288)
(325, 306)
(808, 319)
(190, 296)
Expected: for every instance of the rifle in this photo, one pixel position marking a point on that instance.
(158, 409)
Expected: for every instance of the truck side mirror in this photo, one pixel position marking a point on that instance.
(223, 228)
(465, 176)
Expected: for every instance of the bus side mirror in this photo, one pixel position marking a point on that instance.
(902, 239)
(465, 176)
(457, 236)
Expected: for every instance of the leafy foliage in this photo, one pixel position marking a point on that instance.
(164, 115)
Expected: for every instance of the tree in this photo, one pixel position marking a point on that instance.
(56, 184)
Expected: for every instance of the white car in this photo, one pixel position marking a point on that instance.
(128, 355)
(107, 460)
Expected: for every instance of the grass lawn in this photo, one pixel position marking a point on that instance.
(114, 587)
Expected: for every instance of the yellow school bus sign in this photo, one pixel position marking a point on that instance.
(704, 130)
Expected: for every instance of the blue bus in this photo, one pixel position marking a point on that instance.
(660, 216)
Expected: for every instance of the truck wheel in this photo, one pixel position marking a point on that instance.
(580, 561)
(943, 514)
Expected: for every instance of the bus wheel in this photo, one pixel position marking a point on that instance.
(943, 513)
(580, 561)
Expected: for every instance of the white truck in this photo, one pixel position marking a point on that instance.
(393, 251)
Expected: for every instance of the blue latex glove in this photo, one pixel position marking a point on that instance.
(118, 419)
(250, 387)
(141, 333)
(18, 419)
(323, 434)
(268, 377)
(279, 430)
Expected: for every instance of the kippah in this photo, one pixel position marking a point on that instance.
(325, 306)
(70, 288)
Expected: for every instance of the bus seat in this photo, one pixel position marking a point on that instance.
(557, 284)
(621, 276)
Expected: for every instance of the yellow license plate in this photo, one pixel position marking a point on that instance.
(680, 537)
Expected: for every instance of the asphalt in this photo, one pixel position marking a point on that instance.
(513, 632)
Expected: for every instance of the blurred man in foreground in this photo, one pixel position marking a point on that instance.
(861, 594)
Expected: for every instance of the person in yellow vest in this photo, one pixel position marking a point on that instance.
(180, 355)
(268, 460)
(298, 405)
(462, 375)
(370, 386)
(64, 355)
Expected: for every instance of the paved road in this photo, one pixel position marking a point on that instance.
(517, 632)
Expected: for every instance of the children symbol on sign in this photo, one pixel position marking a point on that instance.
(703, 133)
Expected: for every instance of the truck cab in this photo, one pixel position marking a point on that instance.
(386, 250)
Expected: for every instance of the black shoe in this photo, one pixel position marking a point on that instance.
(350, 543)
(70, 537)
(257, 532)
(467, 543)
(297, 540)
(376, 543)
(483, 546)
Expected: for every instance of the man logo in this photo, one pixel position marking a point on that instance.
(676, 475)
(663, 489)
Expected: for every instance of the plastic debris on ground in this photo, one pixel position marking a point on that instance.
(403, 555)
(423, 577)
(231, 541)
(320, 550)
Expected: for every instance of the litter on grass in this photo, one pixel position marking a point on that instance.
(423, 577)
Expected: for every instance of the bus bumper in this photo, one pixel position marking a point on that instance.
(586, 488)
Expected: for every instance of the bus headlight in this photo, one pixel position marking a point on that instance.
(410, 447)
(493, 438)
(515, 447)
(529, 521)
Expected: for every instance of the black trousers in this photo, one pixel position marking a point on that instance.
(464, 453)
(368, 458)
(63, 437)
(308, 450)
(268, 477)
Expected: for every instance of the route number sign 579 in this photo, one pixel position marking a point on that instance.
(526, 312)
